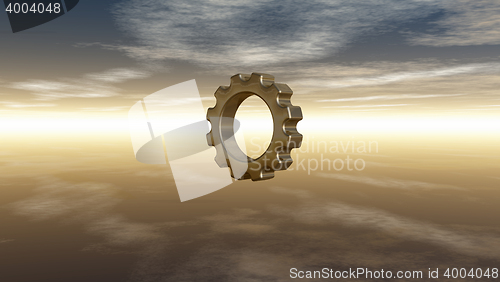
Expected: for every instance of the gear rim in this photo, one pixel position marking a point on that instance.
(277, 97)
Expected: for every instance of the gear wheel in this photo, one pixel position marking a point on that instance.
(285, 135)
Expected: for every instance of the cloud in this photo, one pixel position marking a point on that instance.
(466, 22)
(118, 75)
(6, 153)
(92, 205)
(362, 81)
(177, 101)
(316, 211)
(365, 110)
(120, 231)
(259, 244)
(238, 222)
(386, 182)
(88, 203)
(94, 85)
(436, 85)
(369, 106)
(47, 90)
(2, 240)
(57, 199)
(105, 109)
(305, 236)
(390, 97)
(245, 255)
(234, 33)
(21, 105)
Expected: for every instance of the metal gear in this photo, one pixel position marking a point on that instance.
(285, 135)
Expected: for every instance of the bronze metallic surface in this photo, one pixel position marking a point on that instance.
(285, 116)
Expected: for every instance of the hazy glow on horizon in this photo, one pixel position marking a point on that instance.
(407, 123)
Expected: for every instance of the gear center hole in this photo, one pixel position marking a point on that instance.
(256, 126)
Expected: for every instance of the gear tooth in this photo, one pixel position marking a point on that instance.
(294, 113)
(210, 112)
(282, 161)
(283, 88)
(258, 175)
(294, 141)
(265, 79)
(245, 77)
(284, 95)
(222, 89)
(285, 157)
(239, 78)
(265, 174)
(210, 139)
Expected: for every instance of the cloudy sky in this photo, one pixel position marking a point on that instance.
(380, 58)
